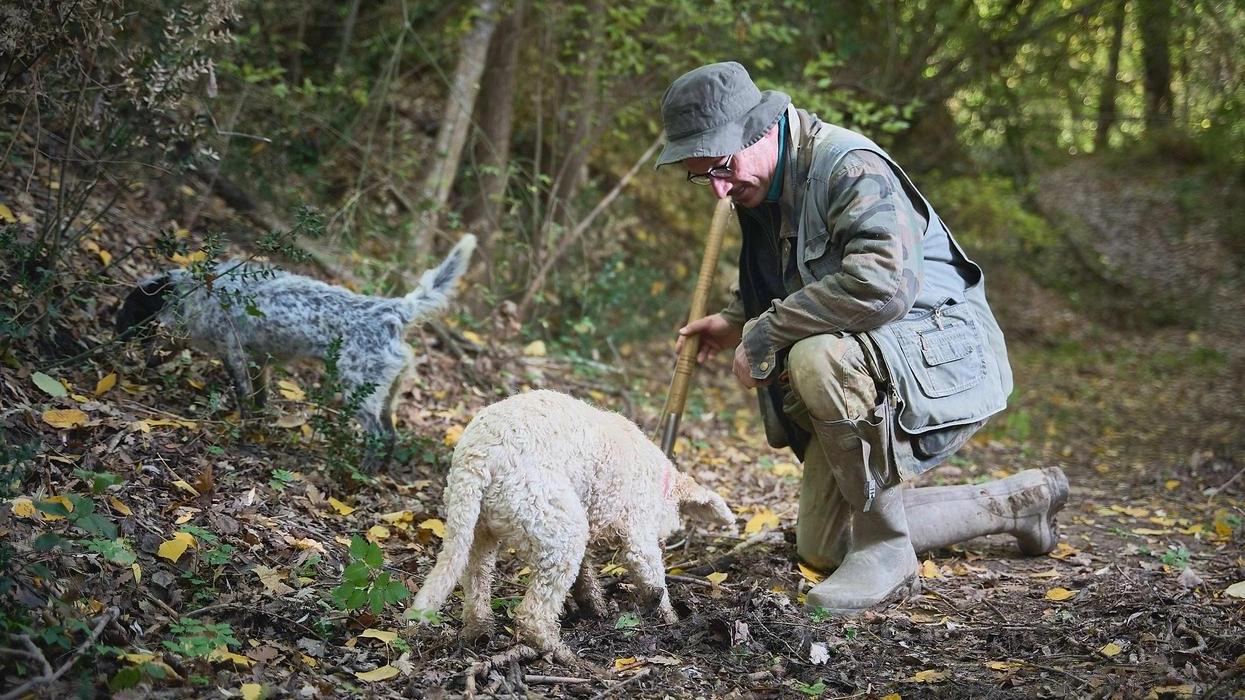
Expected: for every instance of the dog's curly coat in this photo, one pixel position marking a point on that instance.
(248, 312)
(548, 475)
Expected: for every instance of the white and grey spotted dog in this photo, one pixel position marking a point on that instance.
(249, 312)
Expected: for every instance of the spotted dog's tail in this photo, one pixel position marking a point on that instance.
(464, 494)
(436, 286)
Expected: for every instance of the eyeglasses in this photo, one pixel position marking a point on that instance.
(717, 172)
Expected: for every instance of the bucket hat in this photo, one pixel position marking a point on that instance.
(716, 110)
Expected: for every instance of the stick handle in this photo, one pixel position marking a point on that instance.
(686, 363)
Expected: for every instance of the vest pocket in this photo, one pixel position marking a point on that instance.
(943, 350)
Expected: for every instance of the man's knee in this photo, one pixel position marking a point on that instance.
(829, 375)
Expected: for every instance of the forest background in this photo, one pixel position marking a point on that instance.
(1090, 152)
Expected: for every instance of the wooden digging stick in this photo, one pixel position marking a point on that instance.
(686, 364)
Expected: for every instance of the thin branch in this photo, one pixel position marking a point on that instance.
(48, 677)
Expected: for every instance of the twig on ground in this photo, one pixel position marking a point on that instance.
(619, 686)
(1220, 489)
(49, 676)
(554, 680)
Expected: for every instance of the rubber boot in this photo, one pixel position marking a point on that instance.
(823, 526)
(1022, 505)
(880, 562)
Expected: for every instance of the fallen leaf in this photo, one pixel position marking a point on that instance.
(764, 518)
(222, 653)
(1110, 649)
(272, 580)
(473, 337)
(105, 383)
(626, 662)
(1236, 590)
(6, 215)
(717, 577)
(377, 674)
(185, 486)
(341, 508)
(252, 691)
(290, 390)
(818, 654)
(1047, 574)
(809, 574)
(452, 435)
(1063, 550)
(290, 420)
(23, 507)
(927, 676)
(536, 348)
(119, 506)
(1005, 665)
(434, 526)
(377, 533)
(50, 386)
(1059, 593)
(930, 570)
(65, 418)
(382, 635)
(1166, 692)
(1171, 484)
(174, 548)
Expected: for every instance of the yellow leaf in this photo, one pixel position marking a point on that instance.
(434, 526)
(892, 696)
(61, 500)
(927, 676)
(613, 570)
(23, 508)
(252, 691)
(290, 390)
(6, 215)
(1171, 484)
(272, 580)
(1110, 649)
(64, 418)
(1046, 574)
(377, 533)
(106, 383)
(104, 256)
(290, 420)
(625, 662)
(452, 434)
(764, 518)
(656, 288)
(383, 673)
(717, 577)
(222, 653)
(138, 572)
(398, 517)
(1150, 531)
(930, 570)
(536, 348)
(341, 508)
(1063, 550)
(185, 260)
(386, 637)
(119, 506)
(1222, 528)
(1059, 593)
(786, 469)
(1236, 590)
(1004, 665)
(197, 383)
(183, 485)
(473, 337)
(174, 548)
(809, 574)
(1171, 691)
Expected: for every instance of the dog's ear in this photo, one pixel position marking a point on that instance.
(699, 503)
(142, 304)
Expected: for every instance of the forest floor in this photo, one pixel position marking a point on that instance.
(247, 524)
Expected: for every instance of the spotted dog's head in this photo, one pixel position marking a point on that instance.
(142, 305)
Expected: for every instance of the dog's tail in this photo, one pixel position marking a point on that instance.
(464, 492)
(436, 286)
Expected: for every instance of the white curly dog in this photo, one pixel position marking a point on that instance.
(549, 475)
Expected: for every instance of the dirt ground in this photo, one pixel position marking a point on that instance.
(1133, 603)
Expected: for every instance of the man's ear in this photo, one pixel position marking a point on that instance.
(699, 503)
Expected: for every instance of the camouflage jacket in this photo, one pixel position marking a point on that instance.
(863, 252)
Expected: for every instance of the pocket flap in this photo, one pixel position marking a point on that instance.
(947, 345)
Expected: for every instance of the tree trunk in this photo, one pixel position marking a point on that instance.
(452, 136)
(495, 116)
(1154, 21)
(1110, 81)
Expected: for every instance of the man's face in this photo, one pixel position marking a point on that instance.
(751, 171)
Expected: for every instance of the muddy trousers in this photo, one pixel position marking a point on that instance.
(854, 519)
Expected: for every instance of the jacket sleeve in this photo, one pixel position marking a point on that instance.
(880, 231)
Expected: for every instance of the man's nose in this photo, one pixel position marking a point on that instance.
(721, 188)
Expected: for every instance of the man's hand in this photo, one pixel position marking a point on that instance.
(716, 334)
(743, 370)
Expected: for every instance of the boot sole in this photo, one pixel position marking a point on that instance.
(905, 589)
